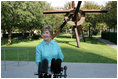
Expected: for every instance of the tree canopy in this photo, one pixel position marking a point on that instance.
(28, 15)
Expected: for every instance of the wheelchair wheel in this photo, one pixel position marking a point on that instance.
(65, 67)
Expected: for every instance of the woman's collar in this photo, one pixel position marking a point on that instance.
(51, 41)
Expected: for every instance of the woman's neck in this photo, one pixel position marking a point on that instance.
(47, 41)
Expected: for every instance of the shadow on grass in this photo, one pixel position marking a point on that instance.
(92, 40)
(4, 41)
(63, 36)
(70, 55)
(88, 40)
(66, 42)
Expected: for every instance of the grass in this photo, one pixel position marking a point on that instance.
(91, 51)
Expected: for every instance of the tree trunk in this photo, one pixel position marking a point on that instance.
(23, 33)
(4, 29)
(30, 35)
(9, 34)
(4, 32)
(114, 29)
(89, 32)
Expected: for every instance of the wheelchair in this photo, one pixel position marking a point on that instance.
(56, 70)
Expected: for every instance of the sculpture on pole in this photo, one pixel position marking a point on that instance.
(72, 13)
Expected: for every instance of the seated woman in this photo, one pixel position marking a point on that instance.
(48, 48)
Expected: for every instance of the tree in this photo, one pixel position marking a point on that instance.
(111, 16)
(91, 19)
(22, 15)
(8, 17)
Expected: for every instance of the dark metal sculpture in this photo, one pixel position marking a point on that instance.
(72, 13)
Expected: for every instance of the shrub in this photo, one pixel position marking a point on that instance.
(111, 36)
(95, 32)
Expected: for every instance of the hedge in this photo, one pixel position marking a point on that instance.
(111, 36)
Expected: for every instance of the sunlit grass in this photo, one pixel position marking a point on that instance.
(91, 51)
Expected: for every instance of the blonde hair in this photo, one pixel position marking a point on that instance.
(49, 28)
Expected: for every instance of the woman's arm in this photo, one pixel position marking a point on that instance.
(60, 54)
(38, 55)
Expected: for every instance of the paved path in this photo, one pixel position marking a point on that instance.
(107, 42)
(75, 70)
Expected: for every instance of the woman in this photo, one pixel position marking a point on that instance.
(48, 48)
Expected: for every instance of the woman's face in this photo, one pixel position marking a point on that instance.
(46, 35)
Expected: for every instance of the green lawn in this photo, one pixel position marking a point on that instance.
(91, 51)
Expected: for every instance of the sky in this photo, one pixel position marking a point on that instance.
(60, 3)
